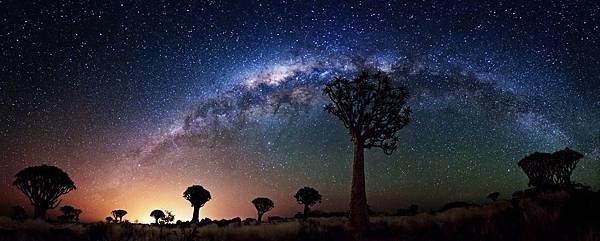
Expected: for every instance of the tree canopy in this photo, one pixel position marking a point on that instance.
(550, 169)
(371, 107)
(307, 196)
(118, 214)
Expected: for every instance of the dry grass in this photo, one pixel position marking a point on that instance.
(547, 216)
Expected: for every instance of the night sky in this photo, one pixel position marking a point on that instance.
(138, 100)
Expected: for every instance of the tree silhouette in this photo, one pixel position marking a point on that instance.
(69, 213)
(546, 170)
(157, 214)
(197, 196)
(493, 196)
(19, 213)
(307, 196)
(262, 205)
(43, 185)
(108, 219)
(118, 214)
(373, 110)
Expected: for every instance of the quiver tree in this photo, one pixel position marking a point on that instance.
(197, 196)
(307, 196)
(157, 214)
(43, 185)
(373, 109)
(118, 215)
(262, 205)
(545, 169)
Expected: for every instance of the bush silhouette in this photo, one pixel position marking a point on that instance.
(169, 217)
(307, 196)
(19, 213)
(108, 219)
(197, 196)
(157, 214)
(547, 170)
(43, 185)
(70, 214)
(118, 214)
(373, 110)
(262, 205)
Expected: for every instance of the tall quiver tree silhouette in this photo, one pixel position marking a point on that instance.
(43, 185)
(547, 170)
(197, 196)
(373, 109)
(307, 196)
(262, 205)
(157, 214)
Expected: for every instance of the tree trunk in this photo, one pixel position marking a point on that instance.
(306, 211)
(39, 212)
(359, 218)
(260, 217)
(156, 221)
(196, 214)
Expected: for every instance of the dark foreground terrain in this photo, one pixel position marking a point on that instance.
(565, 214)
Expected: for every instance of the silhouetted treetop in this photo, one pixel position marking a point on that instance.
(307, 196)
(43, 185)
(545, 169)
(197, 195)
(371, 107)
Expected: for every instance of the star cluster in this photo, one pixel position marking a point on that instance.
(137, 100)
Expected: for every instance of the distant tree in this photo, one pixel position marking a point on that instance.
(169, 217)
(262, 205)
(108, 219)
(493, 196)
(197, 196)
(157, 214)
(19, 213)
(307, 196)
(545, 169)
(68, 213)
(374, 110)
(43, 185)
(118, 214)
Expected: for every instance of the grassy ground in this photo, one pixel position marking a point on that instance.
(557, 215)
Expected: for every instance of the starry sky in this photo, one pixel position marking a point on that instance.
(137, 100)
